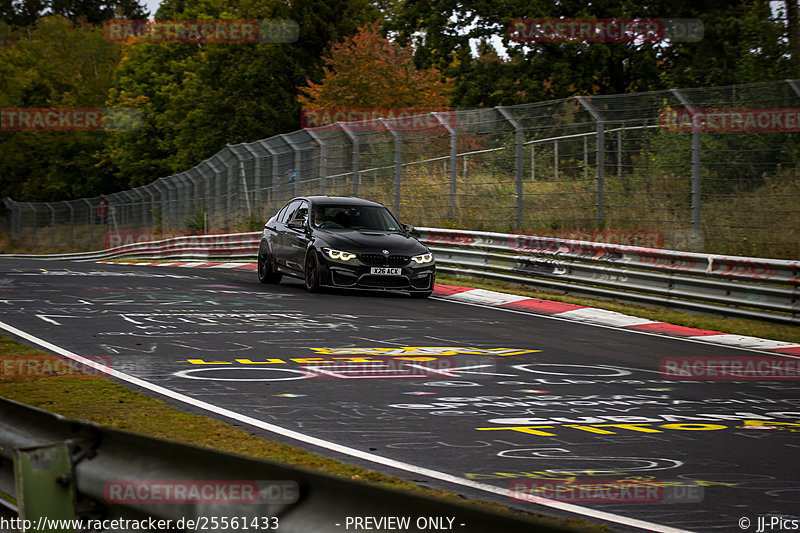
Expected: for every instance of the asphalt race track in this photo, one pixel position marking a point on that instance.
(484, 402)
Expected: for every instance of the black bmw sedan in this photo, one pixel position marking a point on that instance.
(330, 241)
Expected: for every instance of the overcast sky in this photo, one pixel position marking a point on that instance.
(152, 6)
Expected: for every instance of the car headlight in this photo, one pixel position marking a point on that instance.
(423, 258)
(338, 254)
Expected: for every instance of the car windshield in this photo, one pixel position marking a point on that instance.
(354, 217)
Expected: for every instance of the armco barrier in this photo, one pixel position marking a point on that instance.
(59, 468)
(731, 286)
(224, 246)
(726, 285)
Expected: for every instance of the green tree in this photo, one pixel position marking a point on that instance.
(471, 44)
(742, 43)
(61, 64)
(198, 97)
(26, 12)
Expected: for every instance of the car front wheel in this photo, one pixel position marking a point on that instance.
(312, 273)
(266, 267)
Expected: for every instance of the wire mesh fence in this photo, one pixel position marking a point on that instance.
(708, 169)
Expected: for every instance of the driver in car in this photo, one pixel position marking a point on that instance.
(319, 213)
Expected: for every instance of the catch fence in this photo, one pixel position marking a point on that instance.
(708, 169)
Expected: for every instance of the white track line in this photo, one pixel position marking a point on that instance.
(434, 474)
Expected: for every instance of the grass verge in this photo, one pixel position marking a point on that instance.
(45, 381)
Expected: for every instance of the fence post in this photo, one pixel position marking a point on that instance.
(12, 219)
(203, 197)
(190, 196)
(356, 155)
(298, 163)
(697, 197)
(113, 203)
(273, 175)
(323, 159)
(172, 192)
(71, 223)
(519, 139)
(120, 211)
(121, 205)
(256, 177)
(143, 209)
(129, 216)
(241, 177)
(453, 162)
(555, 159)
(181, 200)
(217, 187)
(34, 223)
(52, 224)
(162, 207)
(230, 181)
(195, 200)
(398, 162)
(245, 190)
(794, 86)
(90, 220)
(149, 189)
(600, 162)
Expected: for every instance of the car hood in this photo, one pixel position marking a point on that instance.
(371, 242)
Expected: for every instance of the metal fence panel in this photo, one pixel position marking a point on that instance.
(593, 164)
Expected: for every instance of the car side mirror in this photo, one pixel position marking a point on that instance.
(409, 229)
(297, 223)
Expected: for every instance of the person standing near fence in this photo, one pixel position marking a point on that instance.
(102, 212)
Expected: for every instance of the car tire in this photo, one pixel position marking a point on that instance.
(311, 273)
(266, 267)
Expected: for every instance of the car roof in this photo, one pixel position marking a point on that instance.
(348, 200)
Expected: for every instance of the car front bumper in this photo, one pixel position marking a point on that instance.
(360, 276)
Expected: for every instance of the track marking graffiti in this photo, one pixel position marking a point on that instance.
(639, 427)
(424, 351)
(382, 362)
(193, 374)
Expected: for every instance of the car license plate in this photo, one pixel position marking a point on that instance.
(385, 271)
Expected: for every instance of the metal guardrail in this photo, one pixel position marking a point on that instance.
(72, 468)
(224, 246)
(766, 289)
(727, 285)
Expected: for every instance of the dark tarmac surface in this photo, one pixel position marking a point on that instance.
(504, 399)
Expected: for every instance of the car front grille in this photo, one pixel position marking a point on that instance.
(384, 260)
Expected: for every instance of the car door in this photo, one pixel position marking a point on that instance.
(281, 234)
(297, 237)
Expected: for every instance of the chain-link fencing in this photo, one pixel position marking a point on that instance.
(709, 169)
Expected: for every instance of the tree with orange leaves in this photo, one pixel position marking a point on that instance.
(369, 71)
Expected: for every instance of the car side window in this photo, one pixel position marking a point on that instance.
(287, 213)
(301, 214)
(281, 213)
